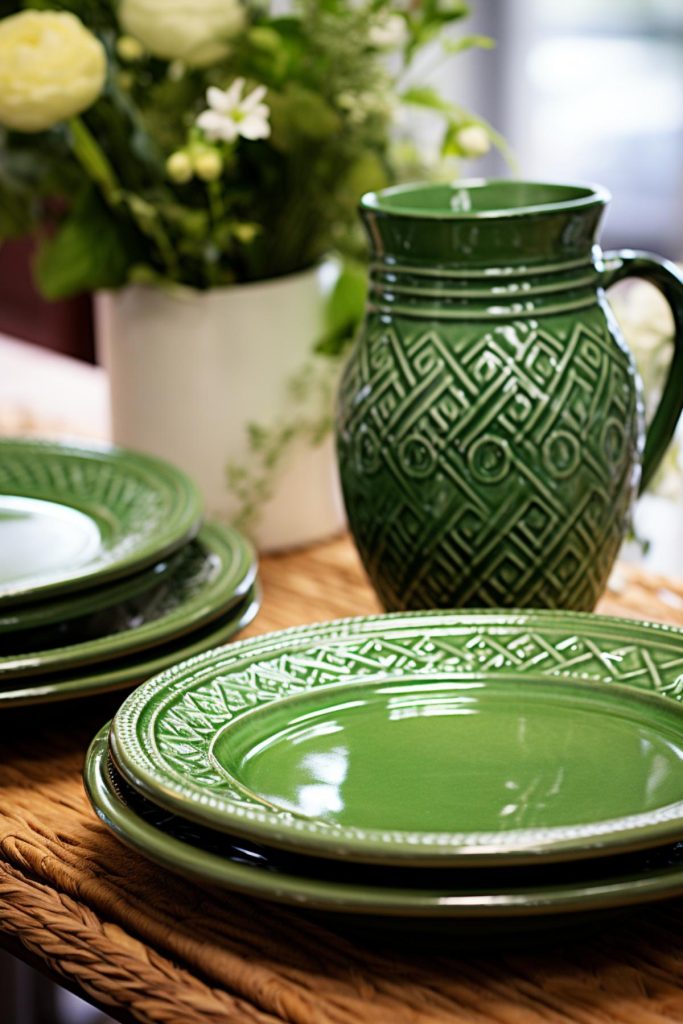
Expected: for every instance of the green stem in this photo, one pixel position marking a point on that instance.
(147, 219)
(165, 246)
(92, 159)
(496, 138)
(420, 71)
(216, 205)
(501, 145)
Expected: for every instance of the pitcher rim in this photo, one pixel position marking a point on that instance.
(587, 194)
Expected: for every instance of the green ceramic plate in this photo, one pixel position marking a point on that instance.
(449, 746)
(74, 516)
(59, 610)
(210, 575)
(134, 669)
(213, 858)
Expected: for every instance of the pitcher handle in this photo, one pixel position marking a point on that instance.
(666, 277)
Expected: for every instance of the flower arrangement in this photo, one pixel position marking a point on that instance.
(207, 142)
(210, 143)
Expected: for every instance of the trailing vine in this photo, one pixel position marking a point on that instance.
(309, 394)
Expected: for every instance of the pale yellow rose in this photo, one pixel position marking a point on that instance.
(194, 31)
(51, 68)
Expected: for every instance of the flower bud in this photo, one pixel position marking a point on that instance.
(179, 167)
(473, 140)
(129, 49)
(208, 164)
(245, 232)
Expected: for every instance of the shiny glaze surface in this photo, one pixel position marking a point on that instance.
(471, 755)
(43, 537)
(347, 888)
(174, 738)
(489, 421)
(209, 576)
(73, 516)
(62, 610)
(127, 672)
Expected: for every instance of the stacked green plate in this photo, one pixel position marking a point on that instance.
(106, 574)
(413, 768)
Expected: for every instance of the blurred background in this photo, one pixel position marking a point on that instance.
(591, 90)
(588, 90)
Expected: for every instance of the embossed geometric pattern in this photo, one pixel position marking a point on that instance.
(143, 507)
(207, 578)
(102, 484)
(489, 464)
(164, 731)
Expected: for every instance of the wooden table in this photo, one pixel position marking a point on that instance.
(148, 946)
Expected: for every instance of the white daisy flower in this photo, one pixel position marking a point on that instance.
(231, 114)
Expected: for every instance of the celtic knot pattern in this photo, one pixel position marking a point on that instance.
(489, 465)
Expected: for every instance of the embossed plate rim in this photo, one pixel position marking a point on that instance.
(65, 607)
(164, 534)
(636, 701)
(71, 687)
(230, 581)
(208, 867)
(134, 745)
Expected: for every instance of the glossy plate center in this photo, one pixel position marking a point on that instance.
(41, 538)
(453, 756)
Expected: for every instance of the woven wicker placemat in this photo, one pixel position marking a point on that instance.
(141, 942)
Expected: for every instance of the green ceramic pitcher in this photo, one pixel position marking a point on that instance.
(490, 423)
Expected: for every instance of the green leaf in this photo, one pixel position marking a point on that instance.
(18, 205)
(274, 52)
(450, 145)
(448, 10)
(142, 273)
(36, 166)
(366, 174)
(428, 19)
(443, 10)
(425, 96)
(88, 252)
(92, 157)
(16, 215)
(347, 302)
(300, 113)
(345, 309)
(468, 43)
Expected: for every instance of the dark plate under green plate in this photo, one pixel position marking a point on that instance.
(65, 609)
(209, 576)
(456, 738)
(134, 669)
(351, 889)
(74, 516)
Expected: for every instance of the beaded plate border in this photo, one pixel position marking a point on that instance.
(161, 736)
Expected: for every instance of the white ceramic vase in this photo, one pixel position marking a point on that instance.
(215, 382)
